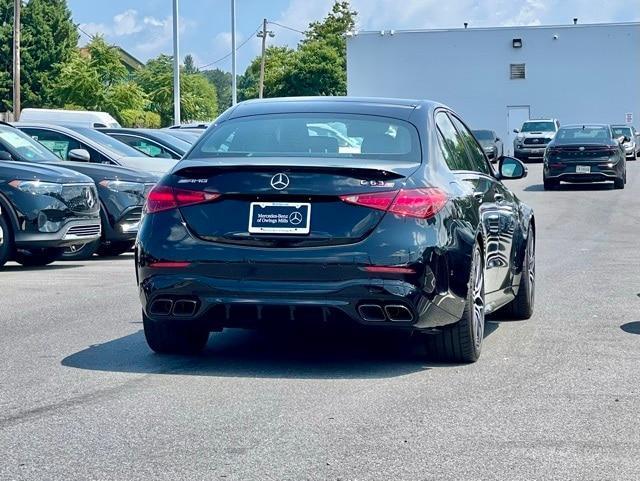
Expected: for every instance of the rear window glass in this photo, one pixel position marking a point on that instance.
(621, 132)
(311, 135)
(583, 134)
(483, 134)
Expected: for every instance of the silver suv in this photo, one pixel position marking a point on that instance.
(533, 137)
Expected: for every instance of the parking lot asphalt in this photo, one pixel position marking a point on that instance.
(554, 397)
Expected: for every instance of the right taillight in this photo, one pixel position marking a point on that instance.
(164, 197)
(420, 203)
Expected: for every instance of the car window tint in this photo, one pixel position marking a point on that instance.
(454, 150)
(476, 155)
(146, 147)
(61, 144)
(57, 143)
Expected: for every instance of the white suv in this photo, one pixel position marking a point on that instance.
(533, 137)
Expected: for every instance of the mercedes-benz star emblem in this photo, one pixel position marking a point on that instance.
(88, 195)
(295, 218)
(581, 149)
(280, 181)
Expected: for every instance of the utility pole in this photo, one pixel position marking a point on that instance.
(17, 4)
(176, 66)
(234, 80)
(263, 34)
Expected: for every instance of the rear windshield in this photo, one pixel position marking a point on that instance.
(538, 127)
(311, 135)
(14, 140)
(119, 148)
(483, 134)
(583, 134)
(621, 132)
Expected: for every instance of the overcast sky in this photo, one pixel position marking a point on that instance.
(143, 27)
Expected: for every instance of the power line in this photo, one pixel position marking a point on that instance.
(87, 34)
(288, 28)
(237, 48)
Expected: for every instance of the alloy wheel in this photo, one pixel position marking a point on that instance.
(478, 297)
(531, 267)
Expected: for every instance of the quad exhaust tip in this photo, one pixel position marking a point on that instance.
(398, 313)
(185, 308)
(178, 308)
(371, 313)
(390, 312)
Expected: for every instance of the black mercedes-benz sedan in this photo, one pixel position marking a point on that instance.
(44, 208)
(265, 223)
(584, 153)
(121, 193)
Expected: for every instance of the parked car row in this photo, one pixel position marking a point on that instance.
(572, 153)
(87, 184)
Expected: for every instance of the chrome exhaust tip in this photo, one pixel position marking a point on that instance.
(185, 308)
(398, 313)
(371, 313)
(161, 307)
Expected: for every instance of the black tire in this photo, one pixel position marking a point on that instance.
(38, 257)
(167, 337)
(619, 183)
(462, 341)
(521, 307)
(6, 241)
(81, 252)
(114, 249)
(550, 184)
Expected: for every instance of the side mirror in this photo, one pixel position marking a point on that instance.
(511, 168)
(4, 155)
(497, 139)
(79, 155)
(516, 131)
(626, 139)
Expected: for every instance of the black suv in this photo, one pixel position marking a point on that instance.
(121, 193)
(44, 208)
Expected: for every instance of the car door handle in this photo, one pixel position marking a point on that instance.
(498, 197)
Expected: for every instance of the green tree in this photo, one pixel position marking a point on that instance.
(49, 40)
(198, 95)
(190, 65)
(317, 67)
(279, 65)
(222, 82)
(96, 79)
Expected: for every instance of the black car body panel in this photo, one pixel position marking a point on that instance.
(591, 160)
(64, 215)
(121, 207)
(353, 255)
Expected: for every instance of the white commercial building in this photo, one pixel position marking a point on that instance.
(498, 77)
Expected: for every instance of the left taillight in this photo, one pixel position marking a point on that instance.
(419, 203)
(164, 197)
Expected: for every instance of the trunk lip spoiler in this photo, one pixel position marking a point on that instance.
(399, 168)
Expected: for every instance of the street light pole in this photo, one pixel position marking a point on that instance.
(17, 4)
(176, 66)
(234, 81)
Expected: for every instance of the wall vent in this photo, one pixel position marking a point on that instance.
(517, 71)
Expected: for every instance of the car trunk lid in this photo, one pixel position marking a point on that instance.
(286, 202)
